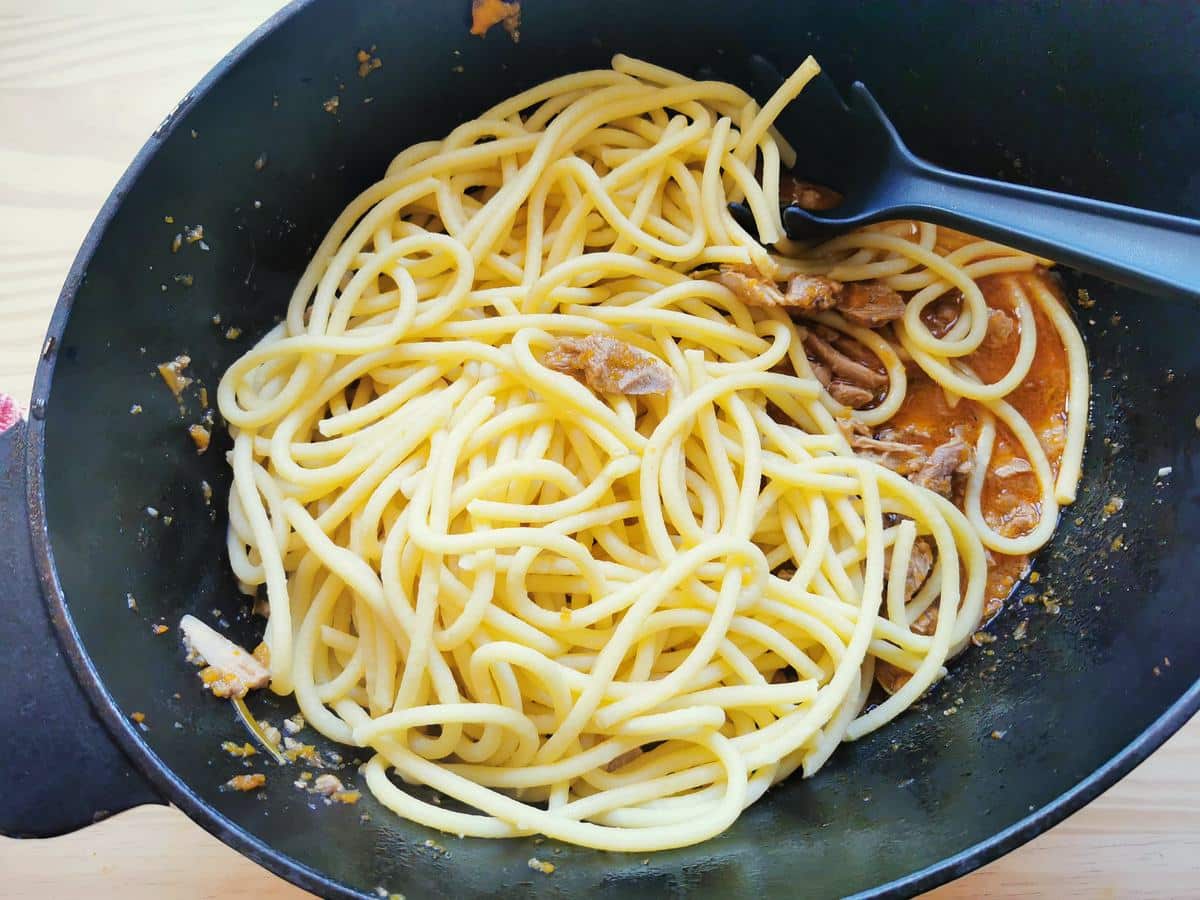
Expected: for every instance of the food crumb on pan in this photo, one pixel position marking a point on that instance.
(200, 436)
(1085, 298)
(546, 868)
(1165, 471)
(170, 220)
(136, 409)
(270, 732)
(1118, 543)
(240, 751)
(295, 751)
(1113, 506)
(131, 602)
(172, 374)
(327, 784)
(368, 62)
(331, 105)
(247, 782)
(176, 243)
(999, 735)
(159, 628)
(487, 13)
(232, 333)
(185, 278)
(152, 512)
(230, 671)
(294, 724)
(193, 234)
(1035, 577)
(1021, 629)
(138, 717)
(260, 162)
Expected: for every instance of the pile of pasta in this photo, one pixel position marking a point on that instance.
(613, 617)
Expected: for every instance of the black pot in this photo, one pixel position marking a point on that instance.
(1092, 98)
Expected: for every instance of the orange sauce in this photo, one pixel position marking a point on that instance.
(927, 418)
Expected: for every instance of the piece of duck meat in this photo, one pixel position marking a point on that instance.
(812, 293)
(1000, 326)
(920, 564)
(870, 304)
(952, 458)
(902, 458)
(840, 364)
(891, 678)
(1015, 466)
(751, 287)
(849, 394)
(610, 366)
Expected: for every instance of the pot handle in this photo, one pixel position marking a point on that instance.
(61, 769)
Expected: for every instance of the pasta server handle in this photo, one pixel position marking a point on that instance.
(881, 179)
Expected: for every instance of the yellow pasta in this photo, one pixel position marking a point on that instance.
(613, 620)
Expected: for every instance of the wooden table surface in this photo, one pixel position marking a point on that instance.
(82, 84)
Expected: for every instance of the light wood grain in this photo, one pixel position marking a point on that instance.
(81, 86)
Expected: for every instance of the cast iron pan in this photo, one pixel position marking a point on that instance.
(1091, 98)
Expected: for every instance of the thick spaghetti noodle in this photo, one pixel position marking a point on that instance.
(612, 618)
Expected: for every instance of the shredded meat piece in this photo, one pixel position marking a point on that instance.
(808, 293)
(229, 670)
(750, 286)
(899, 457)
(1015, 466)
(840, 364)
(870, 304)
(1000, 326)
(891, 678)
(947, 460)
(806, 195)
(813, 292)
(610, 366)
(486, 13)
(821, 371)
(919, 566)
(927, 621)
(849, 394)
(1019, 519)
